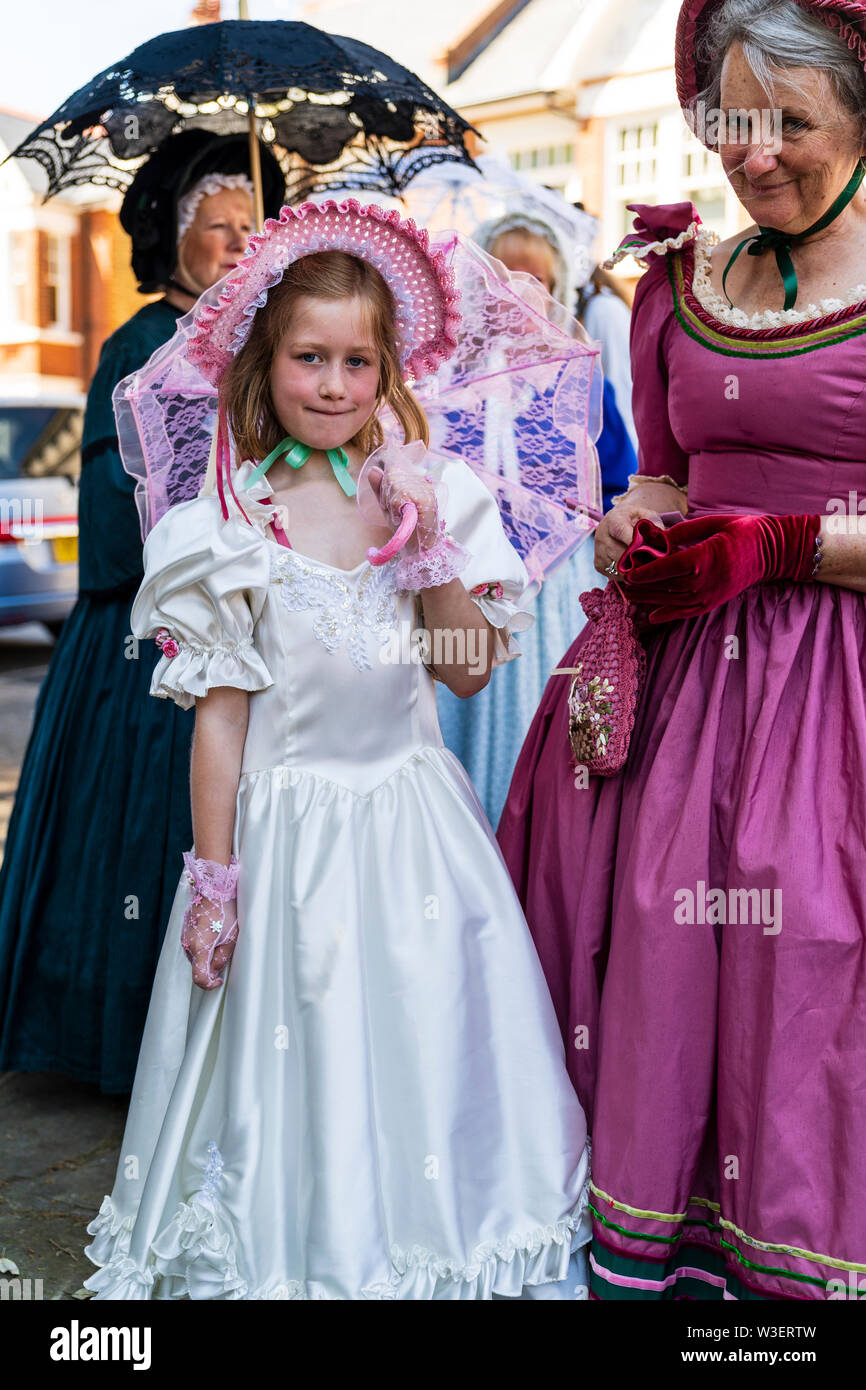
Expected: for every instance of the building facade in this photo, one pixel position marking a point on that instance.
(65, 276)
(578, 94)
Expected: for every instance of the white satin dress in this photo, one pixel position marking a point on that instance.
(375, 1104)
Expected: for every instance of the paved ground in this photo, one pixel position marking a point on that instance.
(59, 1147)
(24, 657)
(58, 1138)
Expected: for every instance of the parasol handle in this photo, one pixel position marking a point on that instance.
(255, 153)
(409, 520)
(256, 169)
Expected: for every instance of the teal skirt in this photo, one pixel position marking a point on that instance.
(93, 853)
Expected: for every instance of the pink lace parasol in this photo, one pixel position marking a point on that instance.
(520, 401)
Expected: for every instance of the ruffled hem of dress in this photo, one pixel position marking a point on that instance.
(501, 1267)
(193, 1257)
(196, 670)
(198, 1241)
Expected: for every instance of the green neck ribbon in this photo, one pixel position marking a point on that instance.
(296, 455)
(771, 239)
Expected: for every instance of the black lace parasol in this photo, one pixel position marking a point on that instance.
(338, 113)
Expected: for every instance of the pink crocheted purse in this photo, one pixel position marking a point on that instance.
(607, 683)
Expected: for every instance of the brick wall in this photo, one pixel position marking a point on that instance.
(107, 288)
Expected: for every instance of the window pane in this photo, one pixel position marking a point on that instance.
(710, 204)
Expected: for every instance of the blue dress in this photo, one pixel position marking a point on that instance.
(102, 812)
(487, 732)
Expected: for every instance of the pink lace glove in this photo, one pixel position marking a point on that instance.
(210, 923)
(430, 556)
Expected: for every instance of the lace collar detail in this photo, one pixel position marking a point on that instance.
(717, 306)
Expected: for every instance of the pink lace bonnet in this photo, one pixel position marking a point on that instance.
(419, 279)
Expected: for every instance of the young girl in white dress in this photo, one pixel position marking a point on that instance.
(359, 1089)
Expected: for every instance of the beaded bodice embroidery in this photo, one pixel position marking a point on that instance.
(350, 606)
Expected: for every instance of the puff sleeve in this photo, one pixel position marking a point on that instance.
(659, 453)
(659, 232)
(495, 577)
(205, 585)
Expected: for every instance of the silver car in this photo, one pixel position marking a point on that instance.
(40, 463)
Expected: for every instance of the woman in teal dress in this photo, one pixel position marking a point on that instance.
(101, 816)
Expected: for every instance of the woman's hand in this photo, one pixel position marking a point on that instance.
(207, 950)
(616, 530)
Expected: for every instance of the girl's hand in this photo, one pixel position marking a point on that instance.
(209, 951)
(616, 529)
(400, 485)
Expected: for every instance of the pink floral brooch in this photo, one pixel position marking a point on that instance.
(166, 643)
(492, 590)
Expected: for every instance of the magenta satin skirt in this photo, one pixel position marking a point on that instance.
(701, 920)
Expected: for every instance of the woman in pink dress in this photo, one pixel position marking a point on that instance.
(701, 917)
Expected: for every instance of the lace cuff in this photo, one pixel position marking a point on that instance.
(636, 480)
(204, 929)
(425, 569)
(186, 670)
(210, 878)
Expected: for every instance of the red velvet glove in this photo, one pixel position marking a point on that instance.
(698, 565)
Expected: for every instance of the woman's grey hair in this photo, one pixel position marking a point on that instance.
(778, 35)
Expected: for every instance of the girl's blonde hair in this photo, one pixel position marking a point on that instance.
(245, 388)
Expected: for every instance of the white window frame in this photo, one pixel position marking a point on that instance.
(62, 322)
(711, 178)
(667, 155)
(23, 236)
(670, 184)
